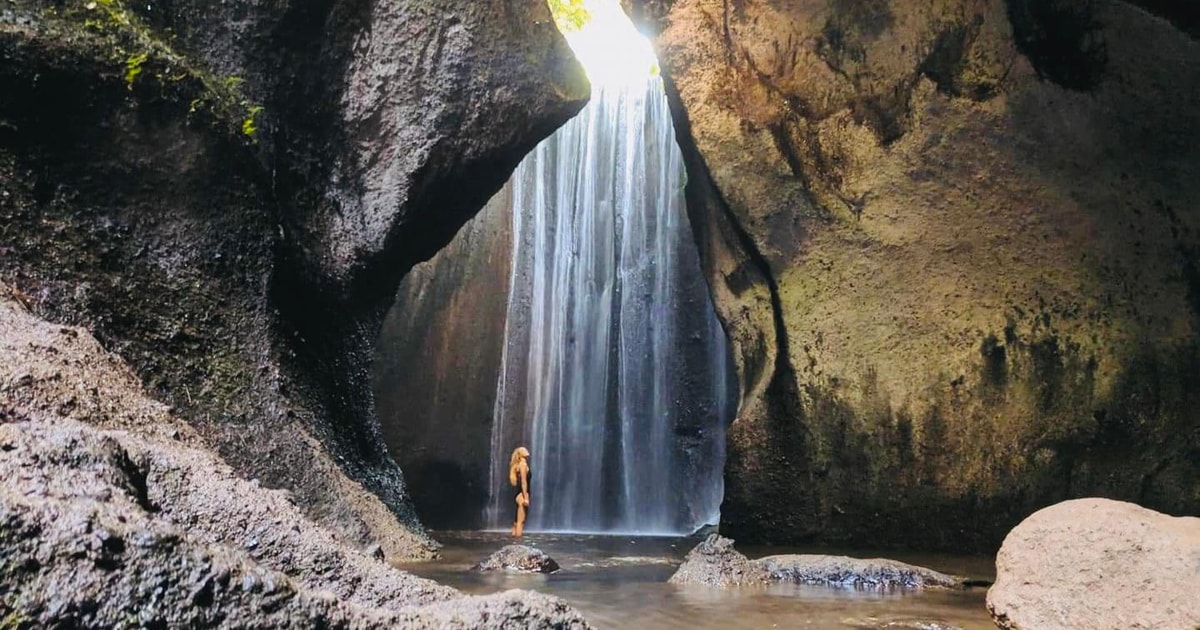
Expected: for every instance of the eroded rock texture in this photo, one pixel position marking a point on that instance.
(955, 247)
(228, 194)
(714, 562)
(114, 514)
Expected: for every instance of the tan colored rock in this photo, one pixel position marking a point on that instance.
(1100, 565)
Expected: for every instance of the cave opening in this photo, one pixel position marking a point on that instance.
(570, 316)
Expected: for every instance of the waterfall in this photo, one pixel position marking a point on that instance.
(615, 372)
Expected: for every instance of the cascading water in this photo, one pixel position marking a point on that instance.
(601, 326)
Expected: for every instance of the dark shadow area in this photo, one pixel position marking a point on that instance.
(1062, 39)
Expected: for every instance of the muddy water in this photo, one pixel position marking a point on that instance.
(620, 582)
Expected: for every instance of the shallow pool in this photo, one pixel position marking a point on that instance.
(621, 582)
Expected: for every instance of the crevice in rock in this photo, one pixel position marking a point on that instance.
(703, 192)
(137, 476)
(1062, 39)
(944, 63)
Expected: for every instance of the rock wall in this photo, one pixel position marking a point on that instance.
(438, 358)
(229, 194)
(955, 245)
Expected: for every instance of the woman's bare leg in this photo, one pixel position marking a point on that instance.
(519, 527)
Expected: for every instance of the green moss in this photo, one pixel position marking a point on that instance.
(133, 68)
(248, 126)
(146, 62)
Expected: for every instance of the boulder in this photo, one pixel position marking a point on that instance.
(714, 562)
(1098, 564)
(854, 572)
(520, 559)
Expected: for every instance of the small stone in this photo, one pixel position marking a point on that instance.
(520, 559)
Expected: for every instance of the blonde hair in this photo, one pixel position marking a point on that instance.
(517, 454)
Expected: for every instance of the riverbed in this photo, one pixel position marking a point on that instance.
(621, 582)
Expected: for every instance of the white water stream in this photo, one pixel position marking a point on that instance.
(626, 435)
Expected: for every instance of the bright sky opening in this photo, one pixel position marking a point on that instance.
(611, 49)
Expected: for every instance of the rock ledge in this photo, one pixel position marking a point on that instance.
(715, 562)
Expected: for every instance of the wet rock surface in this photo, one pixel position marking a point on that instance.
(1098, 563)
(928, 230)
(854, 572)
(519, 558)
(114, 513)
(714, 562)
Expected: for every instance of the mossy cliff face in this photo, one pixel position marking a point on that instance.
(229, 193)
(955, 247)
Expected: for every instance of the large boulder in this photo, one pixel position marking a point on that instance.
(714, 562)
(1099, 564)
(114, 513)
(228, 194)
(955, 247)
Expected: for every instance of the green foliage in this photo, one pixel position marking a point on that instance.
(143, 56)
(248, 126)
(569, 15)
(133, 67)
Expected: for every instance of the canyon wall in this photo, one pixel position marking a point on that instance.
(228, 195)
(438, 358)
(955, 248)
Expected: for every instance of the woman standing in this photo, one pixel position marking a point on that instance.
(518, 472)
